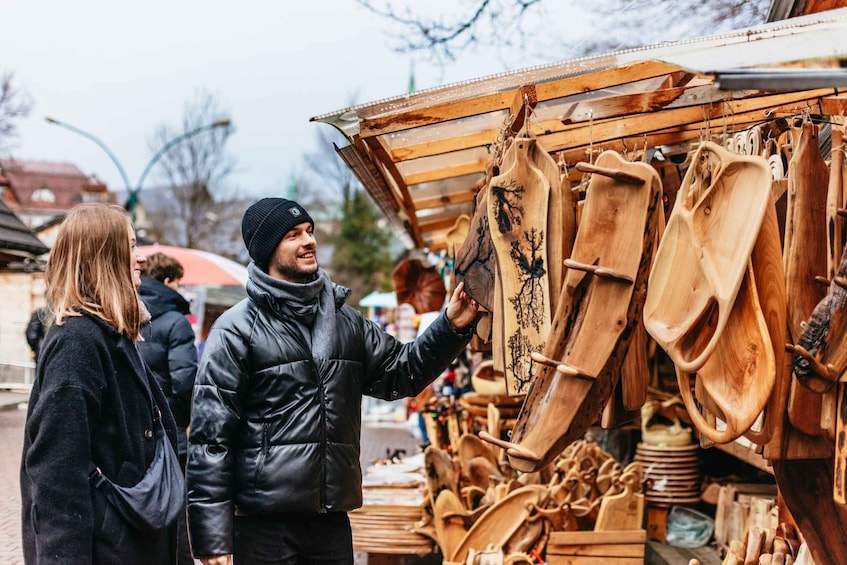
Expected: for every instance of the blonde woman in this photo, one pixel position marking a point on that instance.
(97, 421)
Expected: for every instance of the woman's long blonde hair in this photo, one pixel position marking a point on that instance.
(89, 269)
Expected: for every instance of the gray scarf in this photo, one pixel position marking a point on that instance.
(313, 304)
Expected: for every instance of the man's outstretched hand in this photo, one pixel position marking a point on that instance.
(462, 309)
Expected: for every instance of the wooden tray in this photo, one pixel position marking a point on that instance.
(704, 251)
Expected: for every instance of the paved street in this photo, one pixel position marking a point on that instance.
(375, 442)
(11, 440)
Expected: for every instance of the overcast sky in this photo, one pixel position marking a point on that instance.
(118, 70)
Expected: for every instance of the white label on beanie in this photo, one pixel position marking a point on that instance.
(295, 211)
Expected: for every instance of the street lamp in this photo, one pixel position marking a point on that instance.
(132, 193)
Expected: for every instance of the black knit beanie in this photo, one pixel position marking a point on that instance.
(266, 222)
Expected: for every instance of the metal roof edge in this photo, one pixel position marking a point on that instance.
(347, 119)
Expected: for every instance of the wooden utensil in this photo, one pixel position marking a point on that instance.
(497, 524)
(703, 254)
(624, 511)
(449, 526)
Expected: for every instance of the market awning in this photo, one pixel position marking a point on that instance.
(420, 155)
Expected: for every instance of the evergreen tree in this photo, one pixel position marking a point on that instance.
(361, 259)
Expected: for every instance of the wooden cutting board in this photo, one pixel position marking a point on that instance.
(517, 217)
(739, 374)
(475, 262)
(623, 511)
(805, 256)
(561, 222)
(596, 315)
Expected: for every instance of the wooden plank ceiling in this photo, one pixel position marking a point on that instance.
(421, 156)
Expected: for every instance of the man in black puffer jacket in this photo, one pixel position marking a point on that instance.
(273, 457)
(168, 345)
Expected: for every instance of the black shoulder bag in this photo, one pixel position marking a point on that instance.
(157, 499)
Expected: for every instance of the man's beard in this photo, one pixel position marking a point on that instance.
(291, 272)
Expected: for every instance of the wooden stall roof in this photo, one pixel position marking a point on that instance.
(419, 155)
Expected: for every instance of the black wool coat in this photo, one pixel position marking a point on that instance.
(91, 402)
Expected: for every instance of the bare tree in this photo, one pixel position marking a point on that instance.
(361, 243)
(329, 180)
(520, 26)
(195, 210)
(14, 104)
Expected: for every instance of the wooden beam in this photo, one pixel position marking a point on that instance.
(607, 108)
(714, 115)
(426, 202)
(389, 169)
(447, 172)
(644, 102)
(599, 78)
(834, 105)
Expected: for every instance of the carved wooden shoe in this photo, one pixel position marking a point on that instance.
(704, 251)
(597, 311)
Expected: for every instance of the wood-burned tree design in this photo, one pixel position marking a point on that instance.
(528, 255)
(509, 213)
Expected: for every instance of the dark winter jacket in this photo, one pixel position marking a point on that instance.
(168, 348)
(91, 403)
(35, 330)
(272, 431)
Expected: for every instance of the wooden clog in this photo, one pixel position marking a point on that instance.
(601, 300)
(703, 254)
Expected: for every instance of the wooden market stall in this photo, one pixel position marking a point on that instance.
(766, 104)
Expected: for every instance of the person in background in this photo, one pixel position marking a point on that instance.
(93, 404)
(168, 344)
(168, 350)
(273, 455)
(35, 330)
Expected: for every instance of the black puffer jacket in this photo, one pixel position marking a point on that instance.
(273, 432)
(168, 346)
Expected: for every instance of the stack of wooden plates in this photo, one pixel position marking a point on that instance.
(476, 404)
(672, 474)
(386, 522)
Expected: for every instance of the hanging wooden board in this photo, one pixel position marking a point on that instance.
(602, 299)
(517, 216)
(475, 262)
(805, 256)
